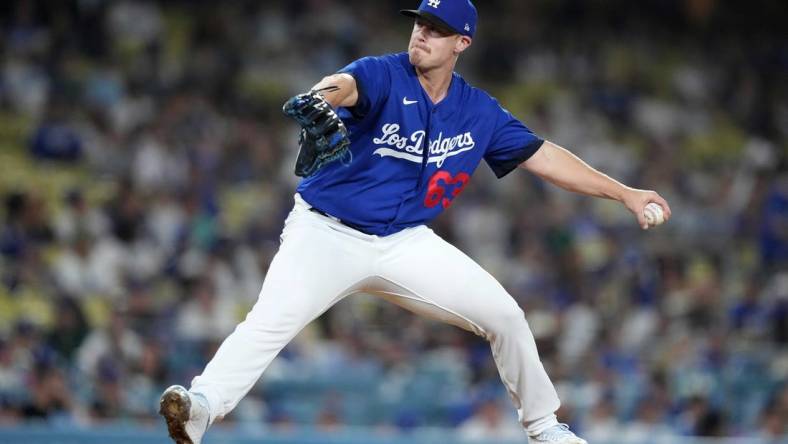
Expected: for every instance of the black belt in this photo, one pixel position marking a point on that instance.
(347, 224)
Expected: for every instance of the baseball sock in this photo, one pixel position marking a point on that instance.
(538, 426)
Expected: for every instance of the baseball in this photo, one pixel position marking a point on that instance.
(653, 214)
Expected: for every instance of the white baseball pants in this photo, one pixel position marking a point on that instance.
(321, 261)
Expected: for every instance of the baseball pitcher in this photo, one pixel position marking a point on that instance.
(387, 144)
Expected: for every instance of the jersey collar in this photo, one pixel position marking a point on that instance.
(450, 104)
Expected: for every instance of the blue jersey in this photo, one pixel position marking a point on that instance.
(393, 182)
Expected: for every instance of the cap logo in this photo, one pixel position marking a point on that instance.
(467, 28)
(434, 3)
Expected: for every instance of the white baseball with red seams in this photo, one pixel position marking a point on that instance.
(654, 214)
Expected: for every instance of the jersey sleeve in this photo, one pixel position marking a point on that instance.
(512, 143)
(373, 82)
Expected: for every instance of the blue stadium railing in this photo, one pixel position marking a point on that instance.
(157, 435)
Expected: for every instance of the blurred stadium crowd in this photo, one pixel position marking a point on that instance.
(145, 171)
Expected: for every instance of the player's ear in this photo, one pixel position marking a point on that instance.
(462, 44)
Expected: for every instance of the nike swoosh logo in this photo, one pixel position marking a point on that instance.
(405, 101)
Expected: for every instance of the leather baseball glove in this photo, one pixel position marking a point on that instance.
(324, 137)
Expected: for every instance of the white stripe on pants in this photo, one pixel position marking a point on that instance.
(322, 261)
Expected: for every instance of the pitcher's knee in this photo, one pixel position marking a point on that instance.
(507, 322)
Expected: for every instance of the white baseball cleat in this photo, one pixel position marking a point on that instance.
(186, 414)
(558, 434)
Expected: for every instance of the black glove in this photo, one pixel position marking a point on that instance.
(324, 137)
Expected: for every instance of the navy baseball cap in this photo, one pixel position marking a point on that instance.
(458, 16)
